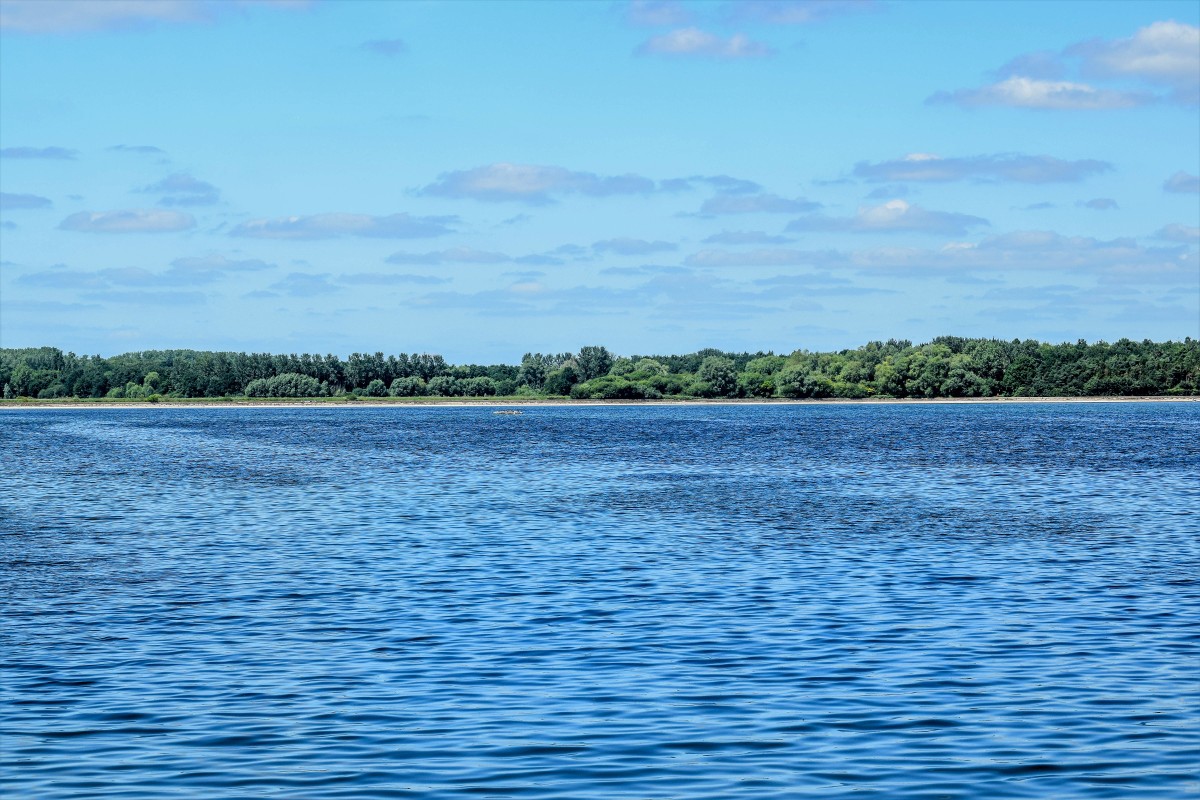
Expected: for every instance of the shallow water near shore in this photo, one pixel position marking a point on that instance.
(601, 602)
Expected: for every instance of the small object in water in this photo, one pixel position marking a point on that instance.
(509, 411)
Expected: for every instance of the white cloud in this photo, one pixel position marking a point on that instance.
(746, 238)
(1042, 251)
(454, 255)
(59, 153)
(334, 225)
(757, 204)
(389, 279)
(774, 257)
(201, 267)
(624, 246)
(75, 16)
(695, 42)
(193, 271)
(531, 183)
(1182, 183)
(1164, 53)
(10, 202)
(1015, 167)
(1187, 234)
(182, 189)
(656, 13)
(136, 221)
(1023, 92)
(1031, 250)
(302, 284)
(794, 12)
(139, 149)
(894, 216)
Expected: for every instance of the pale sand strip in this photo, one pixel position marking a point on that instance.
(10, 405)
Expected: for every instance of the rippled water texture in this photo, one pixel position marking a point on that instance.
(981, 601)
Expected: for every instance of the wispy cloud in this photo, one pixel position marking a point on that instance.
(147, 299)
(303, 284)
(531, 183)
(1041, 251)
(772, 257)
(746, 238)
(624, 246)
(699, 43)
(756, 204)
(335, 225)
(12, 202)
(1175, 232)
(57, 153)
(191, 271)
(75, 16)
(1099, 204)
(139, 149)
(656, 13)
(386, 47)
(926, 168)
(894, 216)
(182, 189)
(202, 269)
(454, 255)
(389, 279)
(1182, 183)
(1022, 92)
(134, 221)
(1163, 55)
(889, 192)
(794, 12)
(1031, 250)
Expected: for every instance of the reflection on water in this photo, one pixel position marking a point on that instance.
(623, 602)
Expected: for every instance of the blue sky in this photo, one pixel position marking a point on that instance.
(486, 179)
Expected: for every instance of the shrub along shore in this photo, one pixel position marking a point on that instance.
(947, 367)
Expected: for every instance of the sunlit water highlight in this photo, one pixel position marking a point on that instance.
(616, 602)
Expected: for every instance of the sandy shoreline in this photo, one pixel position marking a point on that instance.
(10, 405)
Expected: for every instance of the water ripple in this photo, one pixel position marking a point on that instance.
(631, 602)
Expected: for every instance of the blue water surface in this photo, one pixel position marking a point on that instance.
(601, 602)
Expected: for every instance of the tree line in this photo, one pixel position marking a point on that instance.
(948, 366)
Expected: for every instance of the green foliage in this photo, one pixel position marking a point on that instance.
(445, 386)
(411, 386)
(289, 384)
(562, 379)
(718, 375)
(948, 366)
(614, 387)
(593, 362)
(482, 386)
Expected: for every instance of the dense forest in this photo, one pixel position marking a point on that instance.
(948, 366)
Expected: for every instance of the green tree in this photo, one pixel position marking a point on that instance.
(594, 361)
(445, 386)
(411, 386)
(719, 374)
(561, 380)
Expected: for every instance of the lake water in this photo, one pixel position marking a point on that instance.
(981, 601)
